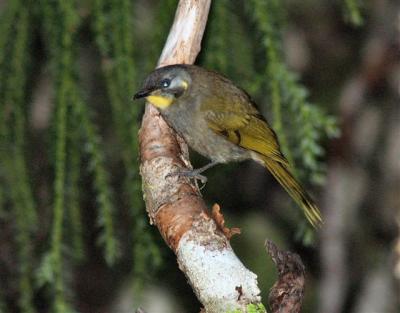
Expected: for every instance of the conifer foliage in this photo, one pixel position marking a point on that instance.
(86, 157)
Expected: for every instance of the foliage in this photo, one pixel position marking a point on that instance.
(301, 126)
(12, 141)
(353, 12)
(301, 142)
(78, 135)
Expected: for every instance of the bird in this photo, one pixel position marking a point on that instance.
(220, 121)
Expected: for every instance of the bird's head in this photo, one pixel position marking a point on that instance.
(165, 85)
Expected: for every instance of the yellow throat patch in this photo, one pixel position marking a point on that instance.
(159, 101)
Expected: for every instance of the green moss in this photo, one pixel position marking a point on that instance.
(251, 308)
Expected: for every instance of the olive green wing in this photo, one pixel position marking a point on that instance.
(245, 129)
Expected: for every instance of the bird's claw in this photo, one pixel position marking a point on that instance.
(194, 174)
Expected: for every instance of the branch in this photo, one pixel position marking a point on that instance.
(175, 206)
(287, 293)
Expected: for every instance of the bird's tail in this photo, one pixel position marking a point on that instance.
(295, 190)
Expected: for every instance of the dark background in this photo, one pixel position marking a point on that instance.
(74, 235)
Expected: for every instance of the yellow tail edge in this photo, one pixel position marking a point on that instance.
(283, 175)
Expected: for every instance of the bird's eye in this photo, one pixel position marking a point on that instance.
(165, 83)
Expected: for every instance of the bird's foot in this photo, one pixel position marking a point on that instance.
(195, 174)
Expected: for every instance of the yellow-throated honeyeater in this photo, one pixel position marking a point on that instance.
(220, 121)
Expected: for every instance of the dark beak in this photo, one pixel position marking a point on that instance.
(142, 93)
